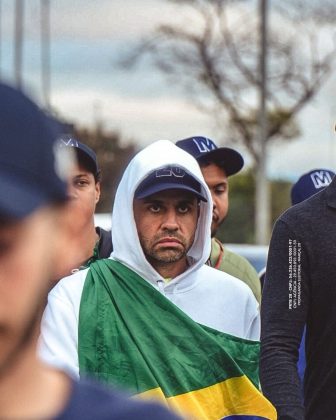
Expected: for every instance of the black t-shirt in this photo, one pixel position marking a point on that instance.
(90, 401)
(105, 242)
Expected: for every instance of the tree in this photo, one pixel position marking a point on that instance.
(238, 226)
(212, 50)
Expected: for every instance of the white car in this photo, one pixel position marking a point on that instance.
(255, 254)
(103, 220)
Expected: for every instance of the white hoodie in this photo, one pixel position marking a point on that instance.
(209, 296)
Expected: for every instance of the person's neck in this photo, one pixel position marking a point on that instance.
(29, 389)
(88, 237)
(170, 270)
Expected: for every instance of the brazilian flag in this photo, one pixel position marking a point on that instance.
(131, 336)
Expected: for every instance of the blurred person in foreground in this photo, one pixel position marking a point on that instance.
(154, 318)
(84, 194)
(32, 205)
(299, 293)
(217, 164)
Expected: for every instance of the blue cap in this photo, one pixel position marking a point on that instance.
(169, 178)
(85, 154)
(311, 183)
(28, 165)
(203, 148)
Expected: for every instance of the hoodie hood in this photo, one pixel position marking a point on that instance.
(126, 245)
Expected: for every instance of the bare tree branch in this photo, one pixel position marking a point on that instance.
(215, 57)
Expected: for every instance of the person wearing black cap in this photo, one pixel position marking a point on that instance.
(145, 317)
(33, 196)
(217, 164)
(84, 194)
(310, 183)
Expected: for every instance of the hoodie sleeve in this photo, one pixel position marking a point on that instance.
(253, 332)
(58, 341)
(283, 313)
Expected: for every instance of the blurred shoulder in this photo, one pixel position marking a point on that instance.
(71, 286)
(91, 400)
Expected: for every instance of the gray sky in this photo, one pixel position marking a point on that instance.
(88, 35)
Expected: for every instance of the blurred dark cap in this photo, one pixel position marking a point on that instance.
(30, 173)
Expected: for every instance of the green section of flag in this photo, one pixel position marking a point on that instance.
(132, 336)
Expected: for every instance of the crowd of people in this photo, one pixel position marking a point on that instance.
(157, 308)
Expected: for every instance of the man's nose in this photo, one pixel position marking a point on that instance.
(213, 202)
(170, 220)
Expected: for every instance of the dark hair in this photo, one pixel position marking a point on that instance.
(98, 176)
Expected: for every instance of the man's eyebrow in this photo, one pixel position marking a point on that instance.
(80, 175)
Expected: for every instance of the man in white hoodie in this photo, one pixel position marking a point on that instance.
(139, 318)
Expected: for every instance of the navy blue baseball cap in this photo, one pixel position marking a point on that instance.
(30, 176)
(169, 178)
(311, 183)
(203, 148)
(85, 154)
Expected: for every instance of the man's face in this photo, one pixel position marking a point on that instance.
(27, 263)
(84, 194)
(217, 181)
(166, 223)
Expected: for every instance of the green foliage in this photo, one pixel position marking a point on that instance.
(239, 224)
(280, 198)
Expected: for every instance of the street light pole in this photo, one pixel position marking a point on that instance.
(0, 39)
(45, 51)
(18, 42)
(263, 208)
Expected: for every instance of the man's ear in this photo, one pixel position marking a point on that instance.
(98, 191)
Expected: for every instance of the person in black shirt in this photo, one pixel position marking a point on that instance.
(300, 290)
